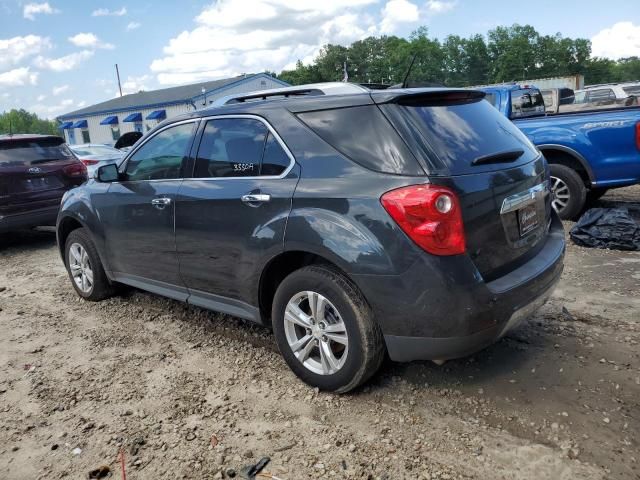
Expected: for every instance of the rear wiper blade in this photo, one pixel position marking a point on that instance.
(44, 160)
(502, 157)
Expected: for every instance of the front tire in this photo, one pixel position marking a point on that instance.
(569, 192)
(85, 268)
(325, 330)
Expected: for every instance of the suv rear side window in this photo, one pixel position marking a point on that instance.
(162, 156)
(239, 147)
(33, 150)
(365, 136)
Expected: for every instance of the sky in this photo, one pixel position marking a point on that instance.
(59, 55)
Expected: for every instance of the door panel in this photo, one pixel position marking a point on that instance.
(222, 241)
(139, 235)
(232, 221)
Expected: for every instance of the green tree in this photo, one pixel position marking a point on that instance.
(21, 121)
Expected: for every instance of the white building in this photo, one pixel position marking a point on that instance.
(105, 122)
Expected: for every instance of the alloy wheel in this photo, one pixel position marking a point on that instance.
(80, 267)
(561, 194)
(316, 333)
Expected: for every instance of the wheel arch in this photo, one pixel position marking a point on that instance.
(567, 156)
(283, 264)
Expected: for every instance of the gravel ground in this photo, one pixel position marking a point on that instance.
(187, 393)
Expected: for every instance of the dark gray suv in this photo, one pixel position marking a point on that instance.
(353, 222)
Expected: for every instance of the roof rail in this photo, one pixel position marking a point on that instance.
(312, 89)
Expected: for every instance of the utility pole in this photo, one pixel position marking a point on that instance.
(118, 75)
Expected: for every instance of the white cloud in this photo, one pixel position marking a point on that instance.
(18, 77)
(105, 12)
(396, 12)
(232, 37)
(51, 110)
(133, 26)
(89, 40)
(135, 84)
(440, 6)
(14, 50)
(62, 64)
(58, 90)
(618, 41)
(30, 10)
(41, 97)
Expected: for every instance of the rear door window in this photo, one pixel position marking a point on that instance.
(526, 102)
(34, 150)
(604, 95)
(449, 137)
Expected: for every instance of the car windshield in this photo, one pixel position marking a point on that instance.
(580, 97)
(96, 150)
(33, 150)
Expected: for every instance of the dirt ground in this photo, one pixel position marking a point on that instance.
(192, 394)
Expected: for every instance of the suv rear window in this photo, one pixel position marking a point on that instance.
(449, 137)
(34, 150)
(365, 136)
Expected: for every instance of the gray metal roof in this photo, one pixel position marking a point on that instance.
(154, 97)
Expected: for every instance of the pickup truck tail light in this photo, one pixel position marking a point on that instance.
(75, 170)
(430, 215)
(638, 135)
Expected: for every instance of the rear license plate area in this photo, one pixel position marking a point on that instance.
(527, 219)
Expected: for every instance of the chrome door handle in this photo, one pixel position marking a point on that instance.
(256, 198)
(160, 203)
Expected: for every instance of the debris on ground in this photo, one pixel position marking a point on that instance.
(612, 228)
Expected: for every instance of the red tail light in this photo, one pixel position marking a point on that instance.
(75, 170)
(88, 162)
(430, 215)
(638, 135)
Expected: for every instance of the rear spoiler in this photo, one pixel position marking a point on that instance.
(427, 96)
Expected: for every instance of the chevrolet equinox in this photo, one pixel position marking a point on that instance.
(410, 222)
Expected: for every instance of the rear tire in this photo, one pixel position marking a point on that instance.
(341, 313)
(85, 268)
(569, 192)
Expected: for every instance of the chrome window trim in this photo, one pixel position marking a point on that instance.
(292, 160)
(519, 200)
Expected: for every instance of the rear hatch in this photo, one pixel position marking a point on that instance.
(500, 178)
(35, 172)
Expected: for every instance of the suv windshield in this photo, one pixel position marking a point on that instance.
(33, 150)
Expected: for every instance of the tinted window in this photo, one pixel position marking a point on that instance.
(33, 150)
(365, 136)
(526, 103)
(231, 148)
(602, 95)
(275, 160)
(491, 98)
(633, 90)
(449, 137)
(161, 157)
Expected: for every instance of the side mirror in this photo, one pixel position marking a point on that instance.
(107, 173)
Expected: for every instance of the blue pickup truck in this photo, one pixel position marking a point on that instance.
(589, 152)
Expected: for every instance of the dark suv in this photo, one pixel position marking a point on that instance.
(35, 171)
(354, 222)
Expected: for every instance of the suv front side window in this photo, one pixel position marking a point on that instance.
(162, 156)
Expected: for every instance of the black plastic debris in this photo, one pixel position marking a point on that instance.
(612, 228)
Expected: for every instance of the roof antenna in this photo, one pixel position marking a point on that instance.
(406, 77)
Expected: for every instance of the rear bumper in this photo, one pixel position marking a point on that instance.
(445, 310)
(35, 218)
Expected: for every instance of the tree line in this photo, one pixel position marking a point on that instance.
(506, 54)
(21, 121)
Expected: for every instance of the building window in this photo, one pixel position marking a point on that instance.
(115, 132)
(138, 127)
(85, 136)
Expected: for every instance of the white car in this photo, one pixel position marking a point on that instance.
(609, 93)
(95, 155)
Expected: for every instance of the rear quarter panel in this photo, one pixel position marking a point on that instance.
(605, 139)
